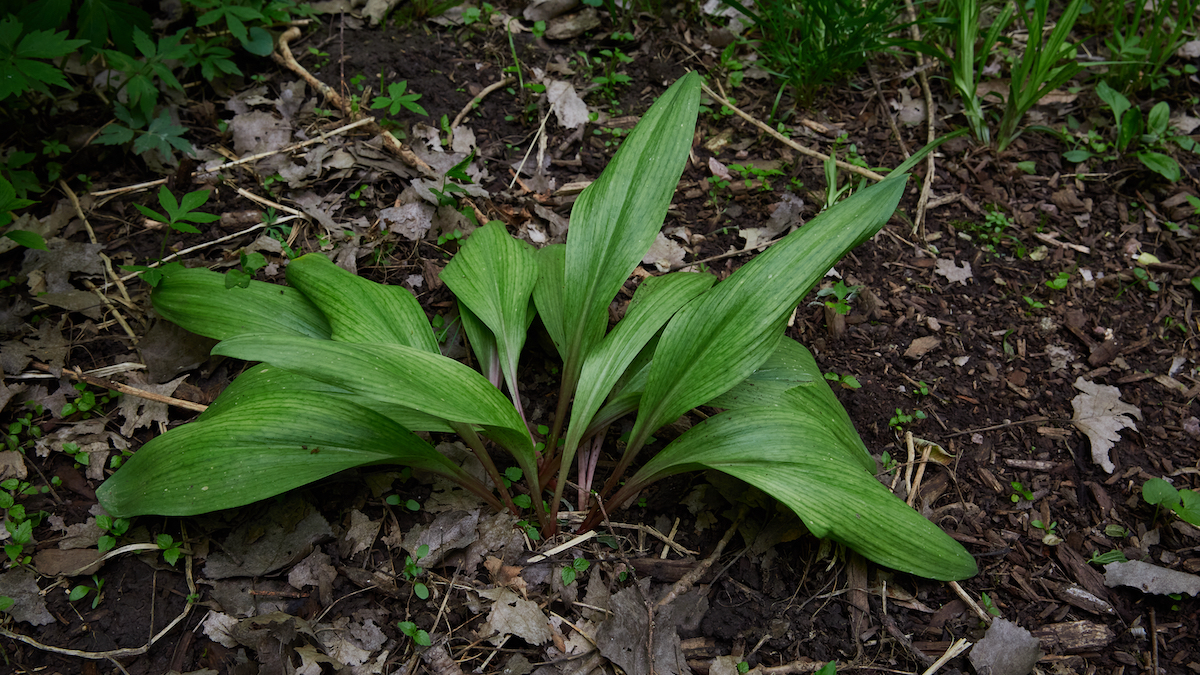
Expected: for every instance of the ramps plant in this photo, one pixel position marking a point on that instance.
(350, 369)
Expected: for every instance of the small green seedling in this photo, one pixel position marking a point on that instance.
(412, 571)
(921, 389)
(902, 418)
(22, 432)
(1034, 304)
(6, 603)
(847, 381)
(1049, 529)
(81, 591)
(87, 401)
(1185, 503)
(397, 99)
(113, 528)
(1102, 559)
(1059, 282)
(577, 566)
(180, 214)
(890, 465)
(743, 666)
(410, 504)
(418, 636)
(169, 547)
(1020, 492)
(986, 601)
(1116, 531)
(843, 296)
(250, 264)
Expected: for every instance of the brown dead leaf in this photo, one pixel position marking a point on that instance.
(1101, 414)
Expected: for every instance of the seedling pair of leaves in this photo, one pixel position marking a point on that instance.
(1185, 503)
(353, 367)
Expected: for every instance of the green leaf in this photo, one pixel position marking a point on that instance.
(197, 300)
(483, 343)
(98, 19)
(1157, 491)
(78, 593)
(258, 449)
(493, 274)
(27, 239)
(548, 293)
(1188, 507)
(654, 303)
(799, 460)
(1130, 129)
(616, 219)
(263, 380)
(1196, 283)
(1159, 118)
(1161, 164)
(1115, 100)
(258, 42)
(163, 135)
(360, 310)
(394, 374)
(723, 337)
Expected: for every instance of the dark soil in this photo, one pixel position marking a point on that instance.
(995, 386)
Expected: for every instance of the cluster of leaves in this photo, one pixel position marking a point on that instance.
(17, 521)
(1185, 503)
(353, 367)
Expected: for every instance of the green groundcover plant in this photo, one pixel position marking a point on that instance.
(348, 369)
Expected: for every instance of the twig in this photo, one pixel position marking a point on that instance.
(916, 485)
(116, 313)
(245, 160)
(478, 98)
(683, 585)
(115, 653)
(960, 645)
(983, 616)
(78, 210)
(930, 136)
(123, 388)
(284, 57)
(888, 113)
(1033, 420)
(571, 543)
(866, 173)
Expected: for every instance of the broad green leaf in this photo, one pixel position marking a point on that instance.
(493, 274)
(1115, 100)
(616, 219)
(258, 42)
(197, 300)
(394, 374)
(723, 336)
(258, 449)
(1077, 156)
(1188, 507)
(27, 239)
(360, 310)
(1158, 491)
(262, 380)
(797, 459)
(778, 382)
(653, 304)
(1161, 164)
(1159, 118)
(548, 293)
(483, 343)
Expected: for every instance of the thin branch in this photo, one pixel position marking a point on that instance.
(478, 98)
(80, 376)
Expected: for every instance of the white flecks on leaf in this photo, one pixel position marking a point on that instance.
(1101, 414)
(953, 272)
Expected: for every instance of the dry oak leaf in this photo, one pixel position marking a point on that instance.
(953, 271)
(1101, 414)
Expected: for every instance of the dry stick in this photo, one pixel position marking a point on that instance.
(115, 653)
(916, 486)
(123, 388)
(78, 210)
(683, 585)
(888, 113)
(927, 185)
(983, 616)
(959, 646)
(866, 173)
(1035, 420)
(115, 312)
(479, 98)
(245, 160)
(284, 57)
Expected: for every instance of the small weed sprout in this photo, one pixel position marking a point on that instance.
(847, 381)
(170, 548)
(988, 605)
(1112, 556)
(1019, 492)
(901, 418)
(1185, 503)
(81, 591)
(842, 294)
(397, 99)
(417, 635)
(113, 528)
(570, 572)
(1059, 282)
(411, 571)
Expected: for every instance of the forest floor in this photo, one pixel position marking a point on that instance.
(953, 335)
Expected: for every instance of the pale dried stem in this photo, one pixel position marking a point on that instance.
(80, 376)
(478, 98)
(866, 173)
(685, 584)
(930, 135)
(283, 56)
